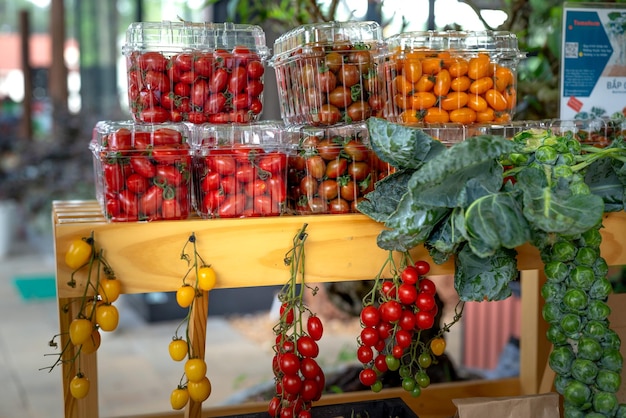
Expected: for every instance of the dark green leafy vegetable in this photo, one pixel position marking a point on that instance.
(478, 200)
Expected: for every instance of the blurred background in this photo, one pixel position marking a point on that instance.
(62, 70)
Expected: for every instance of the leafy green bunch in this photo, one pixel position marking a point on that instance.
(479, 199)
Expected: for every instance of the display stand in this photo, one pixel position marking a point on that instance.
(145, 257)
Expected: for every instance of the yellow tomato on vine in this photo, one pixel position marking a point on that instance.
(206, 278)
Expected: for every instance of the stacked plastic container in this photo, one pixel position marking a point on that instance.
(188, 82)
(450, 81)
(240, 170)
(330, 81)
(142, 171)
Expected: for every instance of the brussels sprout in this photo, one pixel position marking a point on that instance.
(598, 310)
(584, 370)
(586, 256)
(600, 268)
(608, 380)
(591, 238)
(546, 155)
(563, 251)
(611, 359)
(577, 394)
(582, 277)
(571, 324)
(551, 313)
(589, 348)
(610, 340)
(575, 300)
(605, 403)
(552, 292)
(596, 329)
(556, 271)
(601, 289)
(556, 336)
(561, 359)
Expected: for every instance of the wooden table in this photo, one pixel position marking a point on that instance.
(250, 252)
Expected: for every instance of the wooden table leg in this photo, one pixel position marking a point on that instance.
(534, 346)
(87, 364)
(197, 336)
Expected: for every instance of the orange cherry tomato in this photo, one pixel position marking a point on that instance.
(496, 100)
(422, 100)
(442, 83)
(503, 78)
(410, 117)
(402, 85)
(461, 83)
(478, 67)
(459, 68)
(477, 103)
(481, 85)
(401, 101)
(431, 65)
(464, 115)
(454, 100)
(510, 94)
(425, 83)
(412, 69)
(503, 117)
(436, 115)
(487, 115)
(438, 346)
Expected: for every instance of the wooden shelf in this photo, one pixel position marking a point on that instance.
(249, 252)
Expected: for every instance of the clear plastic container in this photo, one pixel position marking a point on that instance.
(451, 76)
(329, 73)
(586, 131)
(195, 72)
(241, 170)
(332, 170)
(142, 172)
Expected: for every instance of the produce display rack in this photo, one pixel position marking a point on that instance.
(249, 252)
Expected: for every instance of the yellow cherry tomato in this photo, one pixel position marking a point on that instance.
(78, 254)
(92, 344)
(110, 289)
(185, 295)
(107, 317)
(79, 386)
(206, 278)
(195, 369)
(178, 349)
(199, 391)
(438, 346)
(179, 398)
(80, 330)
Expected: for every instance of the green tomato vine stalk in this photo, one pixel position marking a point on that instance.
(479, 199)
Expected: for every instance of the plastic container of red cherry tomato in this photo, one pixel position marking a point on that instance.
(329, 73)
(332, 170)
(451, 76)
(143, 172)
(195, 72)
(241, 169)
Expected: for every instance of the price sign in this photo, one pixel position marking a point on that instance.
(593, 60)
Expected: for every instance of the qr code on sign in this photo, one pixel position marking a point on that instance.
(571, 49)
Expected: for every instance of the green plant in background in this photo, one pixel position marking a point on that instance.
(537, 24)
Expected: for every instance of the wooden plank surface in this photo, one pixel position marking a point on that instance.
(250, 252)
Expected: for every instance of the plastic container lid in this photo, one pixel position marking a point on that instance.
(262, 133)
(314, 35)
(495, 43)
(144, 36)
